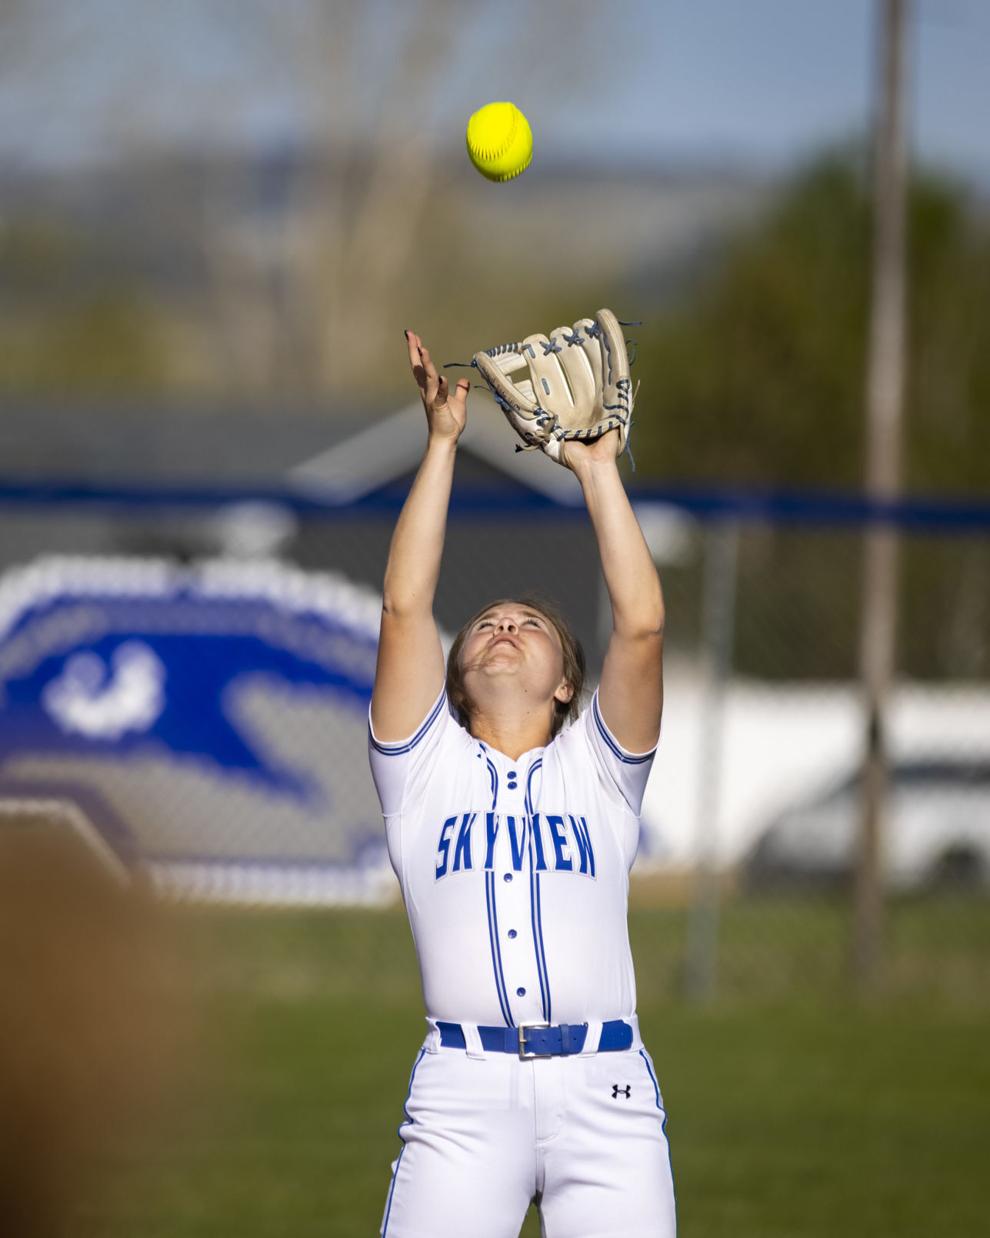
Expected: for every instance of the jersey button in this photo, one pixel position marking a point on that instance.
(520, 992)
(507, 877)
(513, 933)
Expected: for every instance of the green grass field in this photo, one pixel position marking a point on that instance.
(793, 1111)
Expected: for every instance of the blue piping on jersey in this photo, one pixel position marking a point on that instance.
(599, 722)
(663, 1125)
(396, 749)
(493, 778)
(496, 948)
(653, 1080)
(545, 979)
(534, 900)
(408, 1119)
(503, 996)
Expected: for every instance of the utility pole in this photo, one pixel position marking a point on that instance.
(884, 407)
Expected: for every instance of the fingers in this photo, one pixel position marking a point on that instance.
(413, 343)
(415, 346)
(459, 399)
(430, 371)
(424, 371)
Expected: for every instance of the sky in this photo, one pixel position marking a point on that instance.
(752, 81)
(773, 77)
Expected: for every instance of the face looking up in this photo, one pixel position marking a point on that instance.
(514, 641)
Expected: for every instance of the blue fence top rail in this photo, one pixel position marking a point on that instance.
(911, 512)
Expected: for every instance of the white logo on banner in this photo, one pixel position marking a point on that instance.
(104, 703)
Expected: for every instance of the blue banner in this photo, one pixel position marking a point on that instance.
(210, 721)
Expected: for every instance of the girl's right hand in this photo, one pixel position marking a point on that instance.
(446, 412)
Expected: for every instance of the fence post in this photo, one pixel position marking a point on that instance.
(718, 630)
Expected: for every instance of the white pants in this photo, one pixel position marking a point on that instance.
(485, 1135)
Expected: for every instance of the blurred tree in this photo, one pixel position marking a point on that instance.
(64, 330)
(349, 210)
(758, 377)
(324, 116)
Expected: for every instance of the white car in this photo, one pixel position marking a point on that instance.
(936, 833)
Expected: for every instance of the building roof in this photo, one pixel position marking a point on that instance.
(392, 446)
(340, 454)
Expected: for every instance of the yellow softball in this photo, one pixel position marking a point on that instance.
(499, 141)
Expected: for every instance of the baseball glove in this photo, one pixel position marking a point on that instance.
(573, 384)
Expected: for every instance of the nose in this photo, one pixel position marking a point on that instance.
(507, 625)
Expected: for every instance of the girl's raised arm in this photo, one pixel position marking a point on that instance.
(410, 670)
(630, 694)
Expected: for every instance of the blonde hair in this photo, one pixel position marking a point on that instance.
(574, 662)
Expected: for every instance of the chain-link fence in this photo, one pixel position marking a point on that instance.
(188, 676)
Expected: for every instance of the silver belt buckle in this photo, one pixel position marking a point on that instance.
(522, 1039)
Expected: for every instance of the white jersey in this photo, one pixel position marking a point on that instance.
(515, 873)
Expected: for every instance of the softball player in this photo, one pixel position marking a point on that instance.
(512, 821)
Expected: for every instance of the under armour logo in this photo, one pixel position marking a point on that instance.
(617, 1091)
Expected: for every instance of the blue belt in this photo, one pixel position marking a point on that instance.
(539, 1039)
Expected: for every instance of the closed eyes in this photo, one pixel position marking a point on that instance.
(490, 623)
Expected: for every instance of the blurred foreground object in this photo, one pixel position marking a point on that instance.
(88, 1025)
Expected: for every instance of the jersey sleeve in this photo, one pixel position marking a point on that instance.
(627, 771)
(394, 765)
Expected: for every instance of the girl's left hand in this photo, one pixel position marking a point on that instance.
(578, 456)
